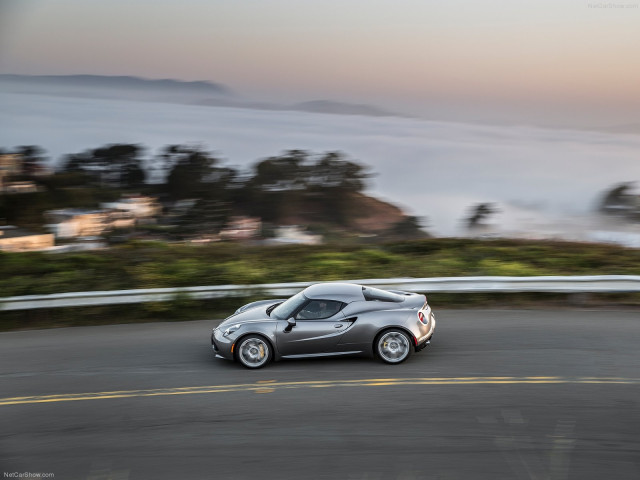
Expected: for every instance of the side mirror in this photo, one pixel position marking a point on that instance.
(291, 322)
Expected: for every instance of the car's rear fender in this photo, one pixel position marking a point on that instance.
(411, 336)
(369, 324)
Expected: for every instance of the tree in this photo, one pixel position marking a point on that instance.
(336, 180)
(333, 172)
(408, 228)
(33, 159)
(619, 200)
(479, 214)
(189, 170)
(283, 173)
(275, 184)
(194, 173)
(75, 163)
(206, 215)
(120, 165)
(323, 185)
(117, 165)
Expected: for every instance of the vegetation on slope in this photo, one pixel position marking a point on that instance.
(155, 264)
(149, 264)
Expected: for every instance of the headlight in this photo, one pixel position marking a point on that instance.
(231, 329)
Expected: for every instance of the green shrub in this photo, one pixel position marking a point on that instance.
(155, 264)
(492, 267)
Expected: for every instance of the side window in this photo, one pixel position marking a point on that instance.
(319, 309)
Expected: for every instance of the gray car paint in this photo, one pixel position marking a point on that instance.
(352, 330)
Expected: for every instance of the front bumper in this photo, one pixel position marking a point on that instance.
(221, 345)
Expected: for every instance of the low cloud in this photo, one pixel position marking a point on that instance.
(432, 169)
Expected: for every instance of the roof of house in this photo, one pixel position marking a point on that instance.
(9, 231)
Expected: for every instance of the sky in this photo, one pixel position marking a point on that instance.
(566, 63)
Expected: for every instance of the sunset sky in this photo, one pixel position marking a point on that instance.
(571, 61)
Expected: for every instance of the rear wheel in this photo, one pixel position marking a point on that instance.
(254, 351)
(393, 346)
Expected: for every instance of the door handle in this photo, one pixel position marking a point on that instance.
(337, 325)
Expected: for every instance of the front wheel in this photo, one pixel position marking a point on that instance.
(393, 346)
(254, 351)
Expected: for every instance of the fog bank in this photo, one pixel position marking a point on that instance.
(433, 169)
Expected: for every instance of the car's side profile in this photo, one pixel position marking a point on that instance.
(324, 320)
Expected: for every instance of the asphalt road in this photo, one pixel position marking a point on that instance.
(498, 395)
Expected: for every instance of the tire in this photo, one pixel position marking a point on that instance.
(393, 346)
(254, 351)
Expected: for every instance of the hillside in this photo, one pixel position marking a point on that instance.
(371, 215)
(363, 215)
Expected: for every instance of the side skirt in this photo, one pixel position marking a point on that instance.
(311, 355)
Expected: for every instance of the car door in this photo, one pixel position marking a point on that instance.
(319, 326)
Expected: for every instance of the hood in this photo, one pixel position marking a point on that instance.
(253, 315)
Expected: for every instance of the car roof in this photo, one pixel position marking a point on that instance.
(343, 292)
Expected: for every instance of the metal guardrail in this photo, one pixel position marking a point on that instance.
(602, 283)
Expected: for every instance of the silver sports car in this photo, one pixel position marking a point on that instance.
(327, 319)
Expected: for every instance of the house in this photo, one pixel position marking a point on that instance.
(241, 228)
(294, 234)
(140, 206)
(13, 239)
(121, 219)
(10, 165)
(26, 186)
(77, 222)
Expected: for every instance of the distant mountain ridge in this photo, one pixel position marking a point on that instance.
(202, 93)
(122, 81)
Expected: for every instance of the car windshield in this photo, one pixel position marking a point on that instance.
(285, 309)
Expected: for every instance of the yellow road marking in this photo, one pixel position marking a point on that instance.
(269, 386)
(265, 390)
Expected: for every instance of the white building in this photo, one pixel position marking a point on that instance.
(14, 239)
(78, 222)
(25, 186)
(242, 228)
(140, 206)
(294, 234)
